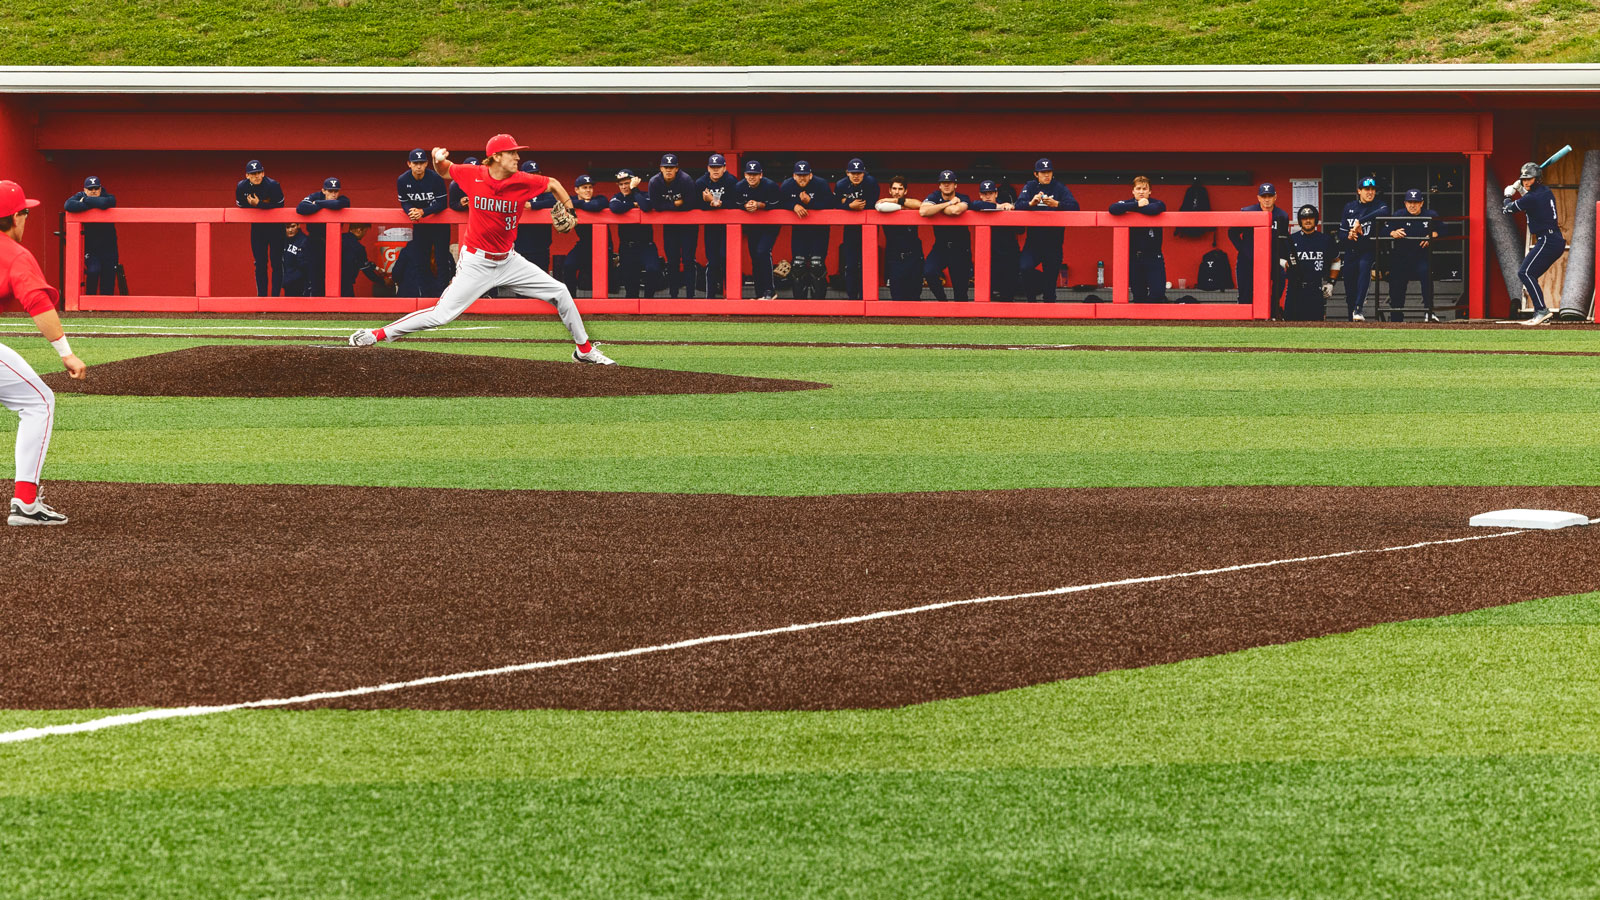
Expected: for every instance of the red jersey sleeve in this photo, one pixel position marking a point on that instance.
(27, 284)
(538, 184)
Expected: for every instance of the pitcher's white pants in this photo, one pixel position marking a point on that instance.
(32, 400)
(475, 277)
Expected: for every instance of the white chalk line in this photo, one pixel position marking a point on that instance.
(151, 715)
(195, 329)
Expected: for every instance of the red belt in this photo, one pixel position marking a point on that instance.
(496, 257)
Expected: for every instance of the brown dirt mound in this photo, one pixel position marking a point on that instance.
(294, 371)
(162, 595)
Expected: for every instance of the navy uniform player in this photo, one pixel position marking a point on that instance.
(804, 193)
(757, 193)
(331, 196)
(952, 244)
(533, 241)
(856, 191)
(1147, 268)
(640, 264)
(297, 261)
(716, 187)
(1360, 249)
(423, 193)
(1004, 256)
(257, 191)
(1041, 250)
(672, 190)
(99, 238)
(578, 266)
(353, 260)
(1408, 258)
(902, 245)
(1313, 267)
(1244, 241)
(457, 198)
(1539, 205)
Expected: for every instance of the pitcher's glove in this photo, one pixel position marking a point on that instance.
(563, 218)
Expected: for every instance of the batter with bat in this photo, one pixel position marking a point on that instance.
(1531, 197)
(497, 192)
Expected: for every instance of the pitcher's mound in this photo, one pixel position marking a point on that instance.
(285, 371)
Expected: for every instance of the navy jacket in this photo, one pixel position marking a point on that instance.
(1244, 239)
(269, 192)
(353, 261)
(315, 201)
(1311, 257)
(1054, 189)
(954, 234)
(867, 190)
(1540, 207)
(721, 189)
(1356, 212)
(1141, 240)
(633, 234)
(663, 196)
(816, 189)
(764, 192)
(1000, 232)
(299, 261)
(1418, 228)
(428, 193)
(98, 237)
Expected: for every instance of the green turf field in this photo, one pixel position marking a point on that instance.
(1454, 757)
(795, 32)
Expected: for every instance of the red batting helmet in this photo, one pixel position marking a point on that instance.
(12, 200)
(500, 143)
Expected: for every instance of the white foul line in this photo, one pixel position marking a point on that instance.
(151, 715)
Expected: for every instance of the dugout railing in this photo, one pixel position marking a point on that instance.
(1120, 305)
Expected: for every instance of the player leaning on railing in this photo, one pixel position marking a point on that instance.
(20, 388)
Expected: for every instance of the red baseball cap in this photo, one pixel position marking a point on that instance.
(12, 200)
(500, 143)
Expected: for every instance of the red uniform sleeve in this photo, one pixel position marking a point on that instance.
(27, 284)
(538, 183)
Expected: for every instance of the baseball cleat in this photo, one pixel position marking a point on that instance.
(35, 513)
(1430, 317)
(363, 338)
(1539, 317)
(593, 356)
(1357, 317)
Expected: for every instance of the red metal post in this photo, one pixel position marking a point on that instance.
(1476, 266)
(1121, 284)
(333, 283)
(1261, 302)
(74, 285)
(982, 261)
(870, 279)
(733, 279)
(202, 259)
(599, 259)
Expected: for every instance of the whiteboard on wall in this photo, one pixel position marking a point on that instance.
(1306, 190)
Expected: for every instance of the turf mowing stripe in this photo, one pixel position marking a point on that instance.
(28, 734)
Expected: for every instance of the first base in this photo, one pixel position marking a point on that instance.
(1546, 519)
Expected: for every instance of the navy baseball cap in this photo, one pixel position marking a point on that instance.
(802, 168)
(92, 182)
(669, 159)
(624, 174)
(582, 180)
(330, 184)
(987, 186)
(531, 167)
(1266, 190)
(470, 161)
(254, 166)
(855, 165)
(947, 175)
(1042, 165)
(418, 155)
(1369, 182)
(716, 160)
(752, 167)
(1414, 196)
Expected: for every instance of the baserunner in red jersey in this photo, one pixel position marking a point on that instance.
(497, 194)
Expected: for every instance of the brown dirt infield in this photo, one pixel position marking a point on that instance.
(166, 595)
(293, 371)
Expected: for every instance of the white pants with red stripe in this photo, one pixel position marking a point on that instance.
(35, 404)
(477, 276)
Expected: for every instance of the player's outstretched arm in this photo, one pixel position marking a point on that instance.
(561, 193)
(441, 161)
(49, 325)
